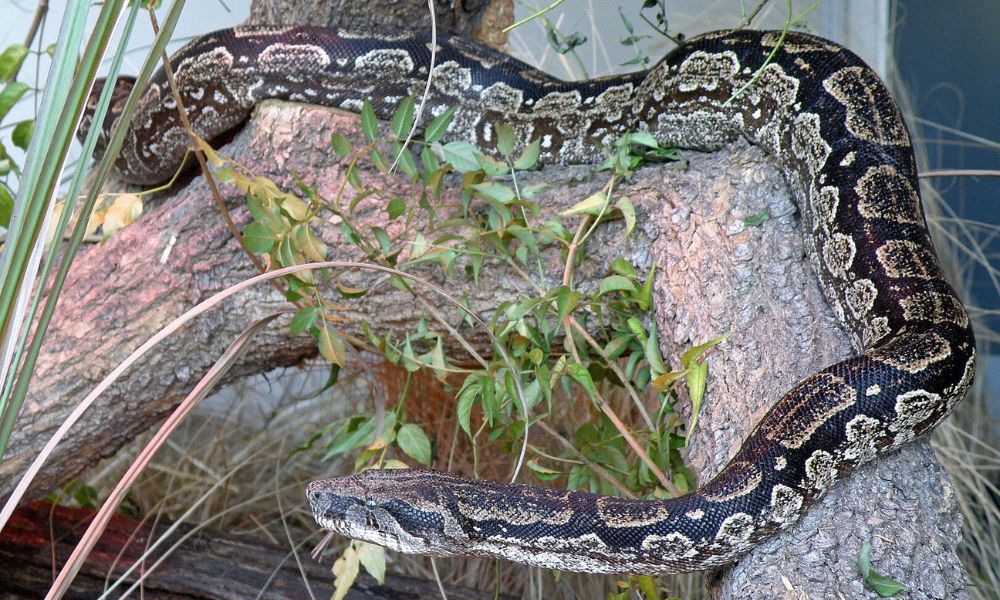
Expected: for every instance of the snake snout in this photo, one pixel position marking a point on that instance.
(331, 501)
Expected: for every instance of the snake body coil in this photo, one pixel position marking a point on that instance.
(844, 149)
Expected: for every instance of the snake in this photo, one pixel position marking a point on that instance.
(841, 143)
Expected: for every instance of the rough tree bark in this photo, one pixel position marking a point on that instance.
(714, 275)
(479, 19)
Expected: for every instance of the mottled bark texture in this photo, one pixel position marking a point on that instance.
(715, 275)
(478, 19)
(720, 276)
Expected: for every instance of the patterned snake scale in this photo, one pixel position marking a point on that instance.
(845, 152)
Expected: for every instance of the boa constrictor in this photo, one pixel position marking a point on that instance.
(844, 149)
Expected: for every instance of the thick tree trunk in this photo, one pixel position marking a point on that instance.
(715, 275)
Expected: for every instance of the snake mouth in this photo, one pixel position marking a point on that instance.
(376, 526)
(351, 516)
(345, 507)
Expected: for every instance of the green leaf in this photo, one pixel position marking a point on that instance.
(491, 166)
(372, 558)
(341, 147)
(402, 118)
(267, 215)
(353, 177)
(6, 205)
(628, 211)
(616, 347)
(758, 219)
(11, 59)
(694, 352)
(580, 375)
(505, 139)
(876, 582)
(566, 300)
(437, 361)
(530, 191)
(413, 441)
(430, 161)
(395, 208)
(466, 399)
(623, 267)
(356, 431)
(651, 348)
(625, 21)
(644, 299)
(643, 138)
(369, 122)
(303, 319)
(543, 473)
(529, 156)
(408, 357)
(384, 241)
(495, 191)
(378, 160)
(11, 93)
(462, 156)
(697, 375)
(649, 587)
(286, 254)
(616, 283)
(22, 133)
(439, 126)
(404, 158)
(635, 326)
(258, 238)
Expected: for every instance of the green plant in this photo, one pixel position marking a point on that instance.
(557, 360)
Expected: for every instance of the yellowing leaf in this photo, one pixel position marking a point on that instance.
(592, 205)
(662, 382)
(296, 208)
(125, 209)
(345, 570)
(210, 153)
(331, 345)
(372, 558)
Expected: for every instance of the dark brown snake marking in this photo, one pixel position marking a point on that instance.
(846, 154)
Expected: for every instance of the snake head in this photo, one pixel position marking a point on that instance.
(123, 87)
(400, 509)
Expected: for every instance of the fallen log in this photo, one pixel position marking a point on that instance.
(208, 565)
